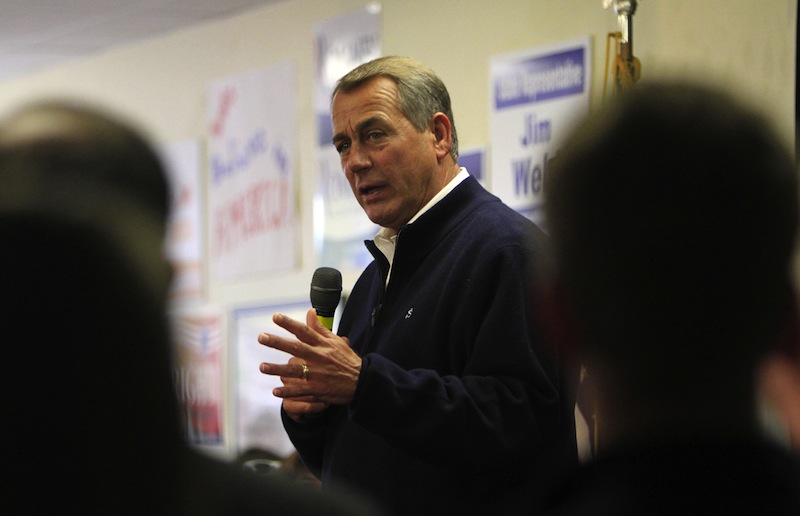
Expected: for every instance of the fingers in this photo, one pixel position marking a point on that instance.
(298, 408)
(294, 378)
(287, 372)
(310, 333)
(323, 367)
(313, 322)
(290, 346)
(293, 387)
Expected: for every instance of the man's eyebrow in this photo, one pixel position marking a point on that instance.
(359, 127)
(338, 137)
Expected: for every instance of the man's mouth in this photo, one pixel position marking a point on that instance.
(369, 190)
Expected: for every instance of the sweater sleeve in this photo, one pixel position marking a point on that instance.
(308, 438)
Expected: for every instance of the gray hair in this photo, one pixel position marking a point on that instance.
(420, 92)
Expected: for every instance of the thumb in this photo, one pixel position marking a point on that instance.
(314, 322)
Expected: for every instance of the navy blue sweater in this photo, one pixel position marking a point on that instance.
(460, 407)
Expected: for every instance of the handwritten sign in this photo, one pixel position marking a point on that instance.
(251, 152)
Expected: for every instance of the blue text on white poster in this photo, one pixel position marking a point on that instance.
(536, 97)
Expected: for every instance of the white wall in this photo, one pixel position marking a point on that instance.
(744, 45)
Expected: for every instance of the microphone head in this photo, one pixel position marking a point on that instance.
(326, 290)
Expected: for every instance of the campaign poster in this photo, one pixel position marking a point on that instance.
(198, 374)
(340, 225)
(251, 172)
(537, 96)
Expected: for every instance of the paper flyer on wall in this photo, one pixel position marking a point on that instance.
(251, 172)
(184, 235)
(257, 412)
(340, 225)
(198, 374)
(537, 95)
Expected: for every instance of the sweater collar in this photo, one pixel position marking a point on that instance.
(386, 239)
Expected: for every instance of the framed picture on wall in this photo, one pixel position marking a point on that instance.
(256, 412)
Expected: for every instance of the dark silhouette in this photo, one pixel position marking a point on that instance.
(673, 215)
(91, 422)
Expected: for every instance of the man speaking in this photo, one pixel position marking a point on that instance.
(439, 397)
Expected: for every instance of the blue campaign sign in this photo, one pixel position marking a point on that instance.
(536, 95)
(540, 78)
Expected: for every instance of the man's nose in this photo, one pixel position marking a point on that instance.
(357, 159)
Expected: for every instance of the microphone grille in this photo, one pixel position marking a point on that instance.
(326, 289)
(327, 278)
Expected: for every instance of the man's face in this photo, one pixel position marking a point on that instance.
(391, 167)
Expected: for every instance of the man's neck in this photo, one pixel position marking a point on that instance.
(446, 188)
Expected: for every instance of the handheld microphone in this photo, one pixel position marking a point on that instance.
(326, 290)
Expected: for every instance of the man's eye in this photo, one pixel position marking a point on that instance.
(342, 146)
(374, 135)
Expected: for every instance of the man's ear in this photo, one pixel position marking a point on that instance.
(442, 131)
(780, 381)
(779, 376)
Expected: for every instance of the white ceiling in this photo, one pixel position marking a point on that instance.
(37, 34)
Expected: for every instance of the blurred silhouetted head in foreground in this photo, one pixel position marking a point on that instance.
(87, 389)
(673, 214)
(70, 141)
